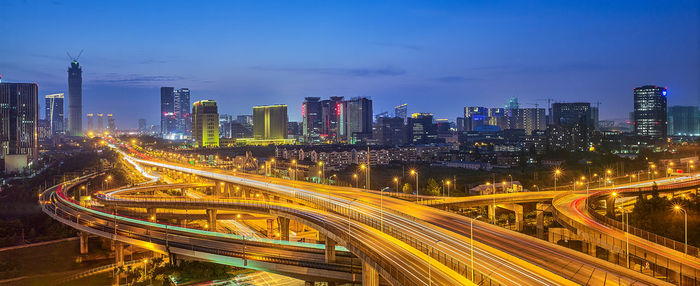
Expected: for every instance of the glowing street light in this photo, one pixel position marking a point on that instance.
(557, 172)
(685, 219)
(413, 172)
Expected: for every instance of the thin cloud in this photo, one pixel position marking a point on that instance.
(134, 79)
(453, 79)
(353, 72)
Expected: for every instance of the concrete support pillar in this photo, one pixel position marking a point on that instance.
(183, 222)
(152, 214)
(610, 206)
(492, 213)
(283, 224)
(211, 219)
(83, 242)
(518, 210)
(592, 249)
(321, 237)
(118, 252)
(270, 228)
(330, 250)
(370, 276)
(540, 222)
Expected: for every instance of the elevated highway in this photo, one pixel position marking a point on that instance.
(511, 258)
(301, 260)
(661, 257)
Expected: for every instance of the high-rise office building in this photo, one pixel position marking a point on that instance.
(571, 126)
(19, 111)
(100, 123)
(595, 117)
(75, 99)
(421, 129)
(650, 111)
(225, 121)
(389, 131)
(401, 111)
(205, 123)
(332, 112)
(312, 124)
(142, 125)
(357, 119)
(90, 122)
(245, 119)
(181, 107)
(528, 119)
(270, 122)
(684, 120)
(54, 112)
(111, 124)
(168, 119)
(43, 128)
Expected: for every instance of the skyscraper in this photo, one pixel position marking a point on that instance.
(571, 126)
(332, 112)
(529, 119)
(650, 111)
(401, 111)
(421, 129)
(270, 122)
(111, 124)
(205, 123)
(312, 123)
(225, 121)
(19, 111)
(684, 120)
(54, 112)
(357, 117)
(75, 99)
(181, 103)
(142, 125)
(389, 131)
(167, 111)
(90, 122)
(100, 123)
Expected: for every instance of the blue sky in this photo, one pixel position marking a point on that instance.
(437, 56)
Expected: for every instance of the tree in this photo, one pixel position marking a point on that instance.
(407, 188)
(433, 187)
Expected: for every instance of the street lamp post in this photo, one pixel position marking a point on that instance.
(471, 242)
(556, 175)
(626, 218)
(295, 169)
(413, 172)
(685, 220)
(396, 182)
(354, 176)
(320, 164)
(430, 255)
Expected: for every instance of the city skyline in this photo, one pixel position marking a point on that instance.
(437, 59)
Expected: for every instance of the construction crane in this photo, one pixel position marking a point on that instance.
(76, 58)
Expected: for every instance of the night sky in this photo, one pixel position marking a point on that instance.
(437, 56)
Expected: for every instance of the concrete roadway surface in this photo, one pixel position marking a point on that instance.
(573, 206)
(502, 254)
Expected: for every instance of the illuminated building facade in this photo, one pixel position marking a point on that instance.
(54, 112)
(270, 122)
(19, 111)
(205, 123)
(75, 99)
(650, 111)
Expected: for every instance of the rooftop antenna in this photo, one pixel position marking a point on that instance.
(76, 58)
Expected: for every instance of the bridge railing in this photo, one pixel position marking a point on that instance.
(658, 239)
(104, 225)
(459, 266)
